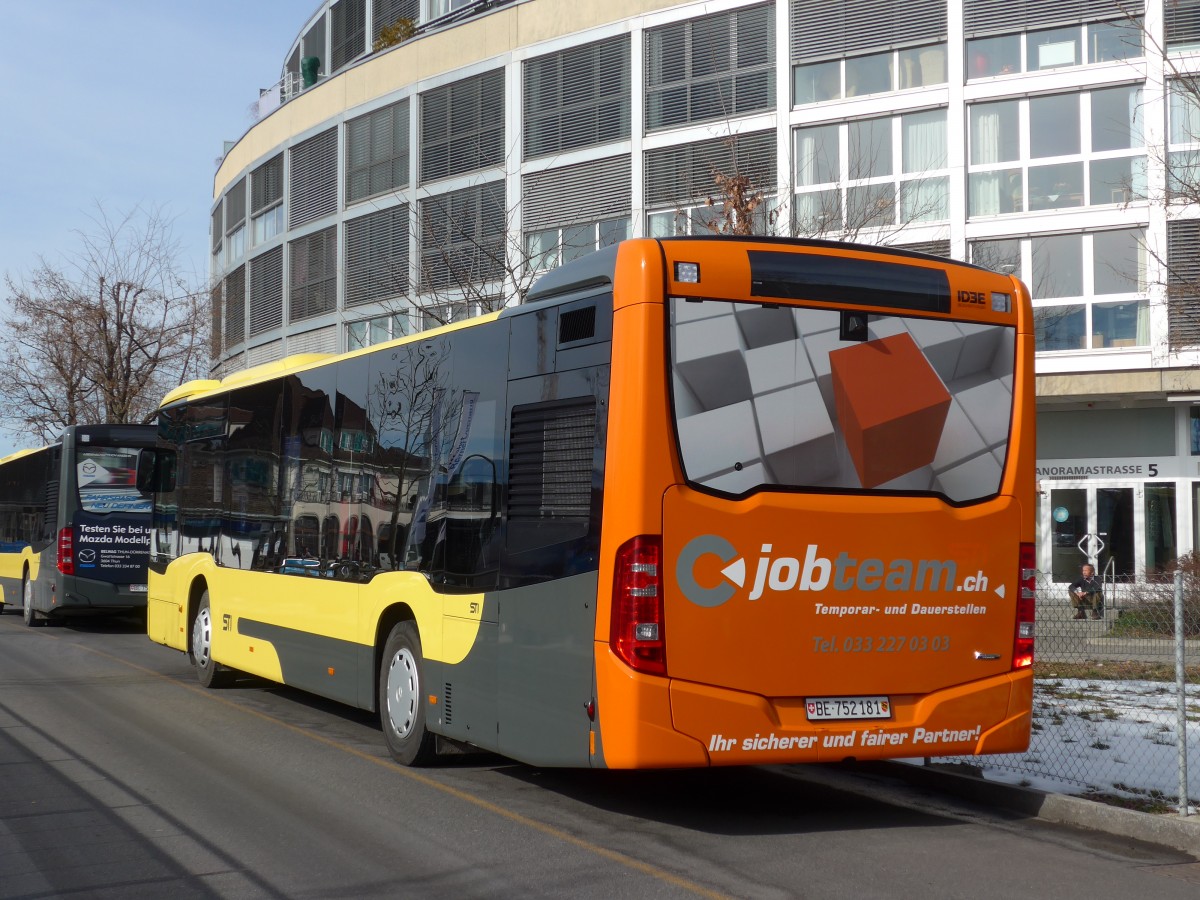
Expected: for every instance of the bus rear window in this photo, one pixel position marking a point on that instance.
(107, 480)
(771, 396)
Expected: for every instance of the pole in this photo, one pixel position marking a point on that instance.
(1181, 695)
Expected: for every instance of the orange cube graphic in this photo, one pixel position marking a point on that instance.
(891, 407)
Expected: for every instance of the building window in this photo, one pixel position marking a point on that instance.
(266, 199)
(588, 195)
(313, 178)
(462, 126)
(1183, 284)
(377, 152)
(1060, 327)
(217, 229)
(706, 219)
(894, 173)
(921, 66)
(1075, 150)
(235, 306)
(1088, 288)
(235, 222)
(435, 9)
(368, 332)
(550, 247)
(377, 255)
(235, 245)
(349, 32)
(877, 73)
(435, 315)
(844, 28)
(1053, 48)
(312, 261)
(1181, 20)
(997, 55)
(1117, 121)
(682, 181)
(1183, 158)
(386, 13)
(462, 237)
(1120, 39)
(577, 98)
(216, 311)
(710, 68)
(268, 225)
(266, 291)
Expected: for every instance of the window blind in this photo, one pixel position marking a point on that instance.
(312, 264)
(585, 192)
(313, 178)
(266, 291)
(577, 97)
(377, 152)
(377, 256)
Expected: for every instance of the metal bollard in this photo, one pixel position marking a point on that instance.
(1181, 695)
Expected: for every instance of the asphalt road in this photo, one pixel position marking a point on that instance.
(120, 777)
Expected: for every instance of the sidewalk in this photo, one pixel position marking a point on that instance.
(1173, 831)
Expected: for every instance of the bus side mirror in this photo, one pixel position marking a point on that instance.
(156, 471)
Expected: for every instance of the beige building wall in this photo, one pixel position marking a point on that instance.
(487, 37)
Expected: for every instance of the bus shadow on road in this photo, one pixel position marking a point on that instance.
(333, 719)
(107, 624)
(724, 801)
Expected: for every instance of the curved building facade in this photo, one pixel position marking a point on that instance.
(423, 160)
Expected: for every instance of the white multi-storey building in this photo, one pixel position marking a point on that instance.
(386, 189)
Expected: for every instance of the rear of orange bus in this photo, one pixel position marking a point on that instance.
(818, 508)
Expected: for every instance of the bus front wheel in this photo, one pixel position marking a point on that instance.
(208, 671)
(32, 619)
(401, 710)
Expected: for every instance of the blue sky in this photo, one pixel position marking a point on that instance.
(121, 103)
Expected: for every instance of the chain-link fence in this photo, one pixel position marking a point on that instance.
(1109, 714)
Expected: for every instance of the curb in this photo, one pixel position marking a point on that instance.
(1173, 831)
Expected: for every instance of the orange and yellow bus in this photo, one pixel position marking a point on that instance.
(697, 501)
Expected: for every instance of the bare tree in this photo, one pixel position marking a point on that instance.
(1180, 279)
(472, 259)
(875, 212)
(101, 336)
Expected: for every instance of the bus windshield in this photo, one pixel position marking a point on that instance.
(766, 395)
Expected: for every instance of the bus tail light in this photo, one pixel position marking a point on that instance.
(1026, 602)
(637, 635)
(66, 551)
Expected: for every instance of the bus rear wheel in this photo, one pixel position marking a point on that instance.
(209, 672)
(32, 619)
(401, 710)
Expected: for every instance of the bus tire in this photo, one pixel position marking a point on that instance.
(32, 619)
(209, 673)
(401, 710)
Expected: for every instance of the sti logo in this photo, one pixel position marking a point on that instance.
(815, 572)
